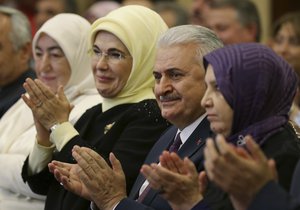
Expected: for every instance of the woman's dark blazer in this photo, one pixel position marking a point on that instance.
(274, 197)
(127, 130)
(283, 147)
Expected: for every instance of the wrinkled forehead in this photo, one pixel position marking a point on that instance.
(4, 21)
(177, 56)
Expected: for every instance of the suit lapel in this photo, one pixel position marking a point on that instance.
(196, 140)
(162, 144)
(192, 148)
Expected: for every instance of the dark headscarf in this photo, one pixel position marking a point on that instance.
(257, 84)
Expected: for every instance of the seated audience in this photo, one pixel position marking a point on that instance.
(60, 59)
(128, 122)
(179, 87)
(237, 104)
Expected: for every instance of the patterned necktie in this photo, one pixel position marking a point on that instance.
(176, 144)
(173, 148)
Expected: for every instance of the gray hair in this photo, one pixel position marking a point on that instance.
(246, 10)
(205, 38)
(20, 34)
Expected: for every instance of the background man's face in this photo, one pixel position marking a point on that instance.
(224, 22)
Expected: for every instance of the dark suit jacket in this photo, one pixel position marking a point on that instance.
(136, 129)
(283, 147)
(193, 148)
(12, 92)
(274, 197)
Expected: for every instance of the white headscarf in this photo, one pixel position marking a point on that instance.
(17, 130)
(75, 48)
(138, 28)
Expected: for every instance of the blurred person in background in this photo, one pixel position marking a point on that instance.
(61, 59)
(172, 13)
(197, 12)
(286, 43)
(100, 9)
(234, 21)
(26, 7)
(46, 9)
(15, 55)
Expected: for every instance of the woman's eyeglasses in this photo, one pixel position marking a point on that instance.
(110, 56)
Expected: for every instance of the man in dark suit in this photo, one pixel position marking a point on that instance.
(179, 87)
(15, 55)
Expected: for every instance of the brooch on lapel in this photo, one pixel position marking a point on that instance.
(241, 141)
(108, 127)
(198, 142)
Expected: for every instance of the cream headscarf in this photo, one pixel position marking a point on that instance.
(139, 29)
(75, 48)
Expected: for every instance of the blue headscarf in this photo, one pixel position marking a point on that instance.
(257, 84)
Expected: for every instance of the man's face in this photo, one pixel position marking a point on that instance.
(179, 84)
(9, 58)
(225, 23)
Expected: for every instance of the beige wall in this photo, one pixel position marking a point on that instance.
(264, 8)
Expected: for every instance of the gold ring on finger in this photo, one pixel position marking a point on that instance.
(39, 104)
